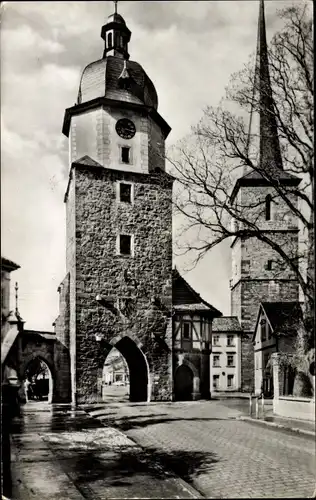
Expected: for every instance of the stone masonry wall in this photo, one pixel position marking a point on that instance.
(141, 279)
(253, 282)
(62, 322)
(71, 269)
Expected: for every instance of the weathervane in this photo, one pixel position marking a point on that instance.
(115, 6)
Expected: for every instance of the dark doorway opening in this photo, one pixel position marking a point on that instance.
(183, 383)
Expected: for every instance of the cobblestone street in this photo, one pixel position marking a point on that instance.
(221, 456)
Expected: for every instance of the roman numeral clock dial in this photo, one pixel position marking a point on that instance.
(125, 128)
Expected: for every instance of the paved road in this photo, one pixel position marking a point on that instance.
(221, 456)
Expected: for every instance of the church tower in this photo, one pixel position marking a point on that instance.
(258, 272)
(119, 226)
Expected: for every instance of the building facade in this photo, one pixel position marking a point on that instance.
(275, 331)
(225, 362)
(192, 341)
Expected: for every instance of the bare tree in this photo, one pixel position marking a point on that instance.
(225, 146)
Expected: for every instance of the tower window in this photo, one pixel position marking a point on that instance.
(269, 265)
(125, 154)
(110, 40)
(125, 192)
(268, 207)
(125, 244)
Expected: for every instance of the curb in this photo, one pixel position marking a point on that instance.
(278, 426)
(151, 458)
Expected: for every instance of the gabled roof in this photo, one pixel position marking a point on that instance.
(185, 298)
(89, 162)
(283, 317)
(226, 324)
(255, 178)
(9, 265)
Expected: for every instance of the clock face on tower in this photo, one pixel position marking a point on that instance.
(125, 128)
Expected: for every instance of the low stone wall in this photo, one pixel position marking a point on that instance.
(292, 407)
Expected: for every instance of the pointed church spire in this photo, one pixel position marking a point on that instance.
(270, 153)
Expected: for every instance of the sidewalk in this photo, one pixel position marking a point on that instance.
(290, 424)
(59, 453)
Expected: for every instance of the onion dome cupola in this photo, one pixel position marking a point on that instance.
(115, 76)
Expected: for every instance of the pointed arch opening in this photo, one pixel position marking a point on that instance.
(126, 368)
(38, 381)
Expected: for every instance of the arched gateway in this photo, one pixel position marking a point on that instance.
(139, 389)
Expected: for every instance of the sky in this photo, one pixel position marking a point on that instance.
(189, 50)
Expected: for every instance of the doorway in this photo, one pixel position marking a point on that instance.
(183, 383)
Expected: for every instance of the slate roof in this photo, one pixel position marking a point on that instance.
(255, 178)
(284, 317)
(185, 298)
(9, 265)
(226, 324)
(101, 79)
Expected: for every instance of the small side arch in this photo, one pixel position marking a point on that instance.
(186, 382)
(51, 372)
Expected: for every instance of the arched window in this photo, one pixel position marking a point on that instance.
(110, 40)
(268, 206)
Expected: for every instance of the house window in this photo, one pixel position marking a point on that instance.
(216, 360)
(230, 380)
(230, 360)
(186, 332)
(263, 331)
(125, 154)
(125, 192)
(230, 340)
(125, 244)
(215, 339)
(269, 265)
(268, 207)
(215, 381)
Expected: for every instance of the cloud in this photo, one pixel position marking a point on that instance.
(188, 49)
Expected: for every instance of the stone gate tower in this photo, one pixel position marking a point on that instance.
(118, 288)
(258, 272)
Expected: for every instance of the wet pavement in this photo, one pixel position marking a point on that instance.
(63, 453)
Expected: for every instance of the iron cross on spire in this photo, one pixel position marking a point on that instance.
(115, 6)
(16, 297)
